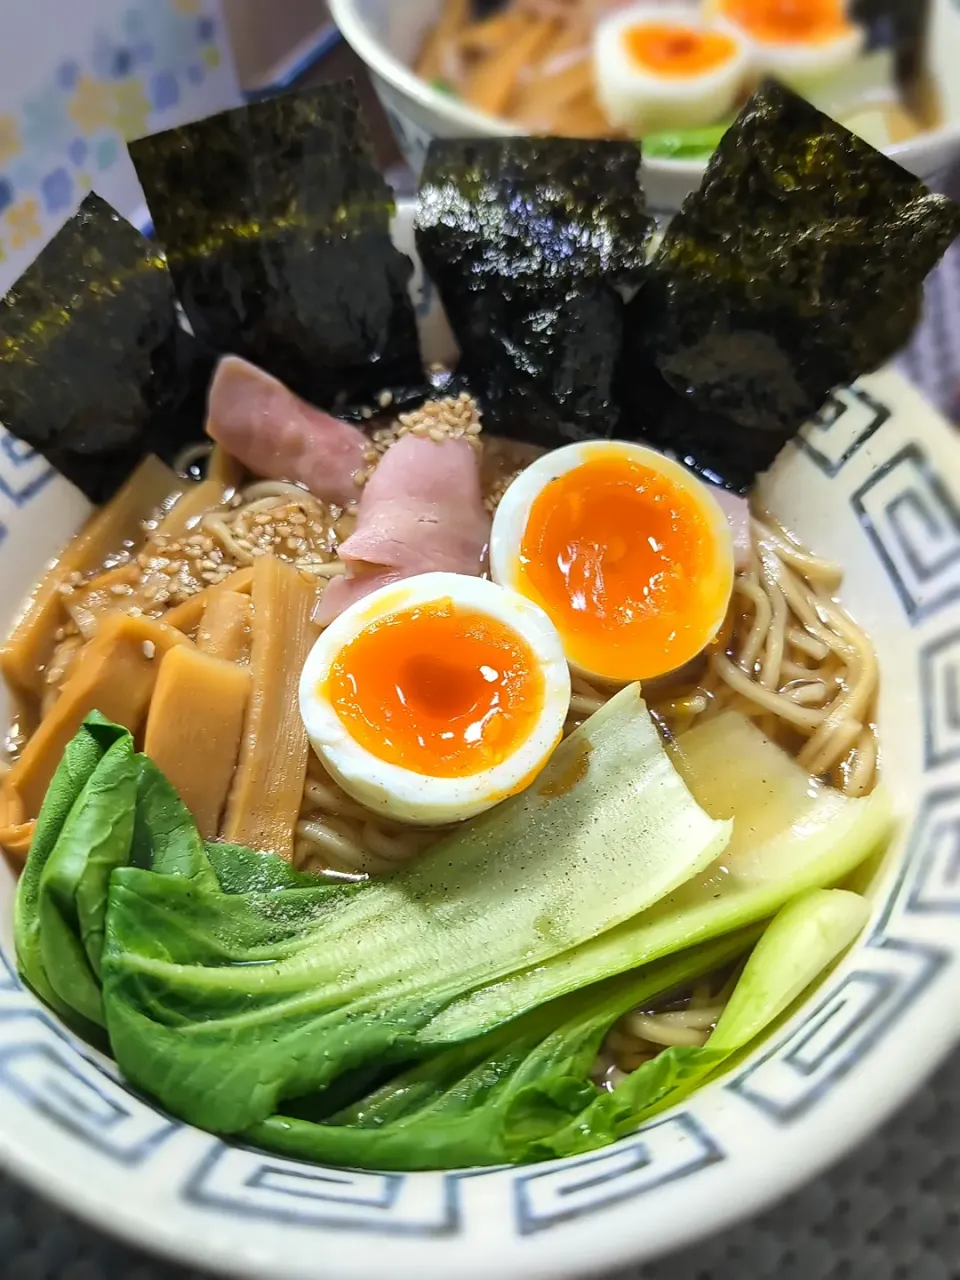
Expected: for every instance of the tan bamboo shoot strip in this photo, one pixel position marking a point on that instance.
(543, 98)
(11, 807)
(492, 35)
(87, 605)
(491, 86)
(583, 118)
(15, 842)
(186, 617)
(15, 833)
(195, 501)
(224, 468)
(115, 674)
(268, 789)
(225, 629)
(194, 729)
(452, 21)
(117, 524)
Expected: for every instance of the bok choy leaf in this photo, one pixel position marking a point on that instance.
(791, 834)
(50, 952)
(464, 1000)
(523, 1092)
(223, 1006)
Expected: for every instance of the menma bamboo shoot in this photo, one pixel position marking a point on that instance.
(115, 674)
(194, 729)
(267, 793)
(118, 524)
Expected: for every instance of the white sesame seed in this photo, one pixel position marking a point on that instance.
(149, 648)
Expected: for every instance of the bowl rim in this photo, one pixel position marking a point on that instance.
(383, 62)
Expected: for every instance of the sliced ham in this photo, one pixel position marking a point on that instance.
(421, 511)
(737, 511)
(276, 435)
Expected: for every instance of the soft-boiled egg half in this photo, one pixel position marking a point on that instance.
(654, 70)
(434, 698)
(801, 42)
(628, 553)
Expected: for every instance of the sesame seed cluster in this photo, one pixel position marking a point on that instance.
(453, 418)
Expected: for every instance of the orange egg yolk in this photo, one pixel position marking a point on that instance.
(789, 21)
(627, 565)
(673, 50)
(439, 689)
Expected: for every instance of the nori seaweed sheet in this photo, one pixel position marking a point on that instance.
(719, 450)
(276, 225)
(530, 242)
(795, 268)
(95, 369)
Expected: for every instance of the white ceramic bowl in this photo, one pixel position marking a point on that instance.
(388, 33)
(875, 483)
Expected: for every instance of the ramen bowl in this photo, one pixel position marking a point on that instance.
(387, 36)
(873, 482)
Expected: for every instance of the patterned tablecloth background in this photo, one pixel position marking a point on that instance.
(890, 1211)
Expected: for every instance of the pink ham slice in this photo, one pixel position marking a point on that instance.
(737, 512)
(422, 511)
(277, 436)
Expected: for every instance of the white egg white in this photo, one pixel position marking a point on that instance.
(637, 99)
(513, 513)
(400, 793)
(803, 65)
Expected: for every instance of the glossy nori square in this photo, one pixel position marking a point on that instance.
(797, 267)
(276, 224)
(95, 370)
(530, 242)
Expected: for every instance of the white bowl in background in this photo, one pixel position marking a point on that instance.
(874, 483)
(387, 35)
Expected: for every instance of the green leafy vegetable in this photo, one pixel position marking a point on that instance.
(80, 761)
(323, 982)
(165, 837)
(791, 834)
(494, 1099)
(523, 1092)
(240, 870)
(452, 1014)
(803, 940)
(684, 144)
(72, 904)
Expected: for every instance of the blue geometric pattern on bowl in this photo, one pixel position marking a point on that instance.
(23, 472)
(913, 519)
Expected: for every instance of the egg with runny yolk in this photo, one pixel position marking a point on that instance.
(656, 70)
(432, 699)
(629, 555)
(801, 42)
